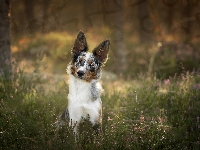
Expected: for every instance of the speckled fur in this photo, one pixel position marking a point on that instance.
(85, 90)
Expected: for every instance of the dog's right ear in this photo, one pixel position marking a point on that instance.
(101, 51)
(80, 45)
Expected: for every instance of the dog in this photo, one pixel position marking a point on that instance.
(84, 70)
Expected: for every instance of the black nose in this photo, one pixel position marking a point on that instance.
(80, 73)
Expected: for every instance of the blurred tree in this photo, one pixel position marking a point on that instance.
(182, 29)
(29, 11)
(119, 45)
(188, 12)
(144, 30)
(45, 6)
(169, 19)
(5, 57)
(185, 26)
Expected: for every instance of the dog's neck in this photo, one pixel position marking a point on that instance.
(78, 86)
(80, 90)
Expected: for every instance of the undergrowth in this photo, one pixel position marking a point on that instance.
(159, 114)
(54, 48)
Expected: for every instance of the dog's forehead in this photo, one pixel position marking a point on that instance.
(86, 56)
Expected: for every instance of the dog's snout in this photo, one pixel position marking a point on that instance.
(80, 73)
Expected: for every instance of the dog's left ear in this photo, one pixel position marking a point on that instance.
(80, 45)
(101, 51)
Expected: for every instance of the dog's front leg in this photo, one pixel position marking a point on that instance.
(96, 90)
(74, 125)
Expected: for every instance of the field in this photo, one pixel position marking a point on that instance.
(151, 80)
(140, 111)
(144, 113)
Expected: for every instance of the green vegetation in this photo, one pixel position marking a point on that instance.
(146, 113)
(151, 102)
(141, 112)
(54, 52)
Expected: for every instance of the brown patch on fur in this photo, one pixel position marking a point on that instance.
(89, 61)
(89, 76)
(73, 70)
(82, 58)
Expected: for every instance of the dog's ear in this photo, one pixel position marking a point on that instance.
(101, 51)
(80, 44)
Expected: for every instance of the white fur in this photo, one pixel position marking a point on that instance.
(84, 71)
(80, 101)
(83, 68)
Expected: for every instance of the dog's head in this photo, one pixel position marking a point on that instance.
(85, 65)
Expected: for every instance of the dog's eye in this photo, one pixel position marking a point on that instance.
(77, 62)
(82, 62)
(92, 67)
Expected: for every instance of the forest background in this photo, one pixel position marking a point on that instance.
(151, 81)
(146, 36)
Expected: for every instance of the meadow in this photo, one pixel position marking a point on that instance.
(139, 112)
(144, 113)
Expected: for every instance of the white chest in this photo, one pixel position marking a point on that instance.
(84, 99)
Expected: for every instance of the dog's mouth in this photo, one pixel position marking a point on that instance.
(80, 77)
(87, 76)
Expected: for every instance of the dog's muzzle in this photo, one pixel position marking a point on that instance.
(80, 73)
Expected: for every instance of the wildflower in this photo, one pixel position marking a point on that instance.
(198, 119)
(196, 86)
(167, 81)
(109, 119)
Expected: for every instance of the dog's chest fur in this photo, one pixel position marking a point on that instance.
(84, 99)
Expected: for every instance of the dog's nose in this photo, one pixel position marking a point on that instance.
(80, 73)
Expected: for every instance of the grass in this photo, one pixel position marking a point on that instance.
(145, 113)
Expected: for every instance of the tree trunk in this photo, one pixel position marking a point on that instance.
(169, 20)
(185, 27)
(29, 11)
(5, 52)
(119, 44)
(45, 6)
(142, 12)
